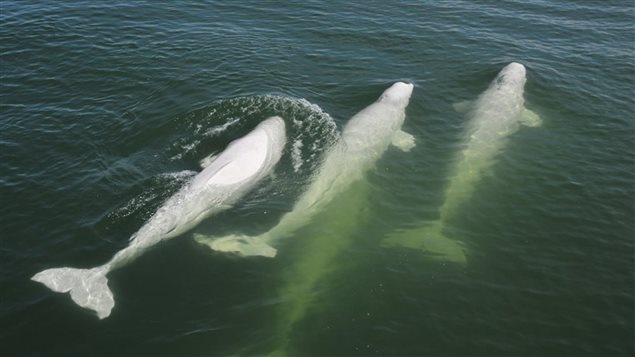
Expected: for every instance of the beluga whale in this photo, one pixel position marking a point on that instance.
(364, 139)
(225, 179)
(492, 118)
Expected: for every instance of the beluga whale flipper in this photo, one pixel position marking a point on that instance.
(363, 141)
(494, 116)
(226, 178)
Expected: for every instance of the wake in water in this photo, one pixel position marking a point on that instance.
(159, 188)
(310, 129)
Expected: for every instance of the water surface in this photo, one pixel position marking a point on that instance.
(106, 109)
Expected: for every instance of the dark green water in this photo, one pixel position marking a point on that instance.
(106, 108)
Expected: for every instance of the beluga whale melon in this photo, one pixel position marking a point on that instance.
(226, 178)
(364, 139)
(493, 117)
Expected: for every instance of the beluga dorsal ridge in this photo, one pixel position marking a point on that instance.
(364, 139)
(226, 178)
(492, 118)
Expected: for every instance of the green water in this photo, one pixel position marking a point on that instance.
(106, 109)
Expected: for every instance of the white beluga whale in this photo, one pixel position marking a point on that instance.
(363, 141)
(496, 114)
(226, 178)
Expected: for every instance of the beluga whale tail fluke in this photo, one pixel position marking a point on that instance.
(242, 244)
(225, 179)
(492, 118)
(87, 287)
(431, 241)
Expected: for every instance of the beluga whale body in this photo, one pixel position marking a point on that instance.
(226, 178)
(363, 141)
(496, 114)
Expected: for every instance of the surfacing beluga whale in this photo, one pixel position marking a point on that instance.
(363, 141)
(494, 116)
(226, 178)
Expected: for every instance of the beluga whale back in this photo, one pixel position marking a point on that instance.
(364, 139)
(496, 114)
(225, 179)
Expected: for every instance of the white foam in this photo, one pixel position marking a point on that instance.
(296, 155)
(179, 175)
(221, 128)
(186, 148)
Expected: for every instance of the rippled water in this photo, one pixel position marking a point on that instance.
(106, 109)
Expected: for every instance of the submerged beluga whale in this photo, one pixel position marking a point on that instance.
(493, 117)
(226, 178)
(363, 141)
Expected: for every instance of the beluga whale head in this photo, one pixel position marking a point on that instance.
(398, 93)
(275, 129)
(511, 76)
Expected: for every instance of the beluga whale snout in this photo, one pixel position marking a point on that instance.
(225, 178)
(511, 77)
(397, 93)
(514, 67)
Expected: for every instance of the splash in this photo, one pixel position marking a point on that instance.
(310, 129)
